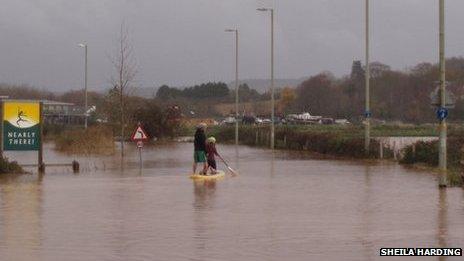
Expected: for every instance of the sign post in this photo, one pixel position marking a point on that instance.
(40, 161)
(22, 127)
(139, 136)
(140, 146)
(443, 100)
(1, 129)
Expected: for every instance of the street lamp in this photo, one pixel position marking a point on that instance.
(272, 73)
(236, 82)
(85, 84)
(367, 112)
(442, 157)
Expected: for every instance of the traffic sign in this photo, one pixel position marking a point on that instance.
(139, 144)
(139, 134)
(442, 113)
(435, 97)
(368, 114)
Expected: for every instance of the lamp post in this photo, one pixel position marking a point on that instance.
(443, 128)
(272, 74)
(367, 138)
(85, 84)
(236, 82)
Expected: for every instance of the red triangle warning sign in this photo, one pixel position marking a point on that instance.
(139, 134)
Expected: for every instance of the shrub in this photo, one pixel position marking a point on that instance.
(94, 140)
(427, 152)
(7, 167)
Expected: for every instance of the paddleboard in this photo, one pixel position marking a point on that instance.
(219, 175)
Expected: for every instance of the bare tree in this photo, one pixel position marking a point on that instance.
(125, 71)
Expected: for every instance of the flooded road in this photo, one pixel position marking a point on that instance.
(282, 207)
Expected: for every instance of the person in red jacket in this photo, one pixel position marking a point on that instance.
(211, 152)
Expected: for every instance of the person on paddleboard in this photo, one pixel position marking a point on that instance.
(199, 154)
(211, 152)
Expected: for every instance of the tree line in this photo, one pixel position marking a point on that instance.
(395, 95)
(217, 91)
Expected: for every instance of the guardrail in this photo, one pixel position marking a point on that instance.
(75, 166)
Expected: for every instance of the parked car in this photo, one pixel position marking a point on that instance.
(249, 120)
(303, 118)
(228, 121)
(266, 121)
(326, 121)
(342, 121)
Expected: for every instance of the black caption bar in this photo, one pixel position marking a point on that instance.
(421, 252)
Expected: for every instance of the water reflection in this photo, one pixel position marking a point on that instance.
(442, 227)
(237, 161)
(367, 212)
(20, 220)
(272, 165)
(204, 194)
(203, 204)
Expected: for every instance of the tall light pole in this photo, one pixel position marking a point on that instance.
(443, 127)
(367, 138)
(272, 74)
(85, 84)
(236, 82)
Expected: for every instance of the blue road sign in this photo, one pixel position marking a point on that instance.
(368, 114)
(442, 113)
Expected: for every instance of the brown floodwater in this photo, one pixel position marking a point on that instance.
(289, 206)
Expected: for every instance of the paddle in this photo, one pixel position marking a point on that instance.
(234, 173)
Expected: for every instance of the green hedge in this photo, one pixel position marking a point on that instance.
(338, 143)
(427, 152)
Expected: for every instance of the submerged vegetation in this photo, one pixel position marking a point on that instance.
(94, 140)
(10, 167)
(427, 153)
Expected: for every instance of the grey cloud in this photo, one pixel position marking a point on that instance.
(181, 42)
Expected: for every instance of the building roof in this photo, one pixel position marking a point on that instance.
(49, 102)
(45, 102)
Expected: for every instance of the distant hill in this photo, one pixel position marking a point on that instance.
(262, 85)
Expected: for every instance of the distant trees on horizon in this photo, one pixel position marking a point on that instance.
(395, 95)
(402, 95)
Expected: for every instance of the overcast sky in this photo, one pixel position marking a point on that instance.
(182, 42)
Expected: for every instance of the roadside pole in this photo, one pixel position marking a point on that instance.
(237, 86)
(272, 82)
(140, 146)
(272, 136)
(1, 128)
(235, 31)
(367, 112)
(442, 158)
(41, 165)
(85, 89)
